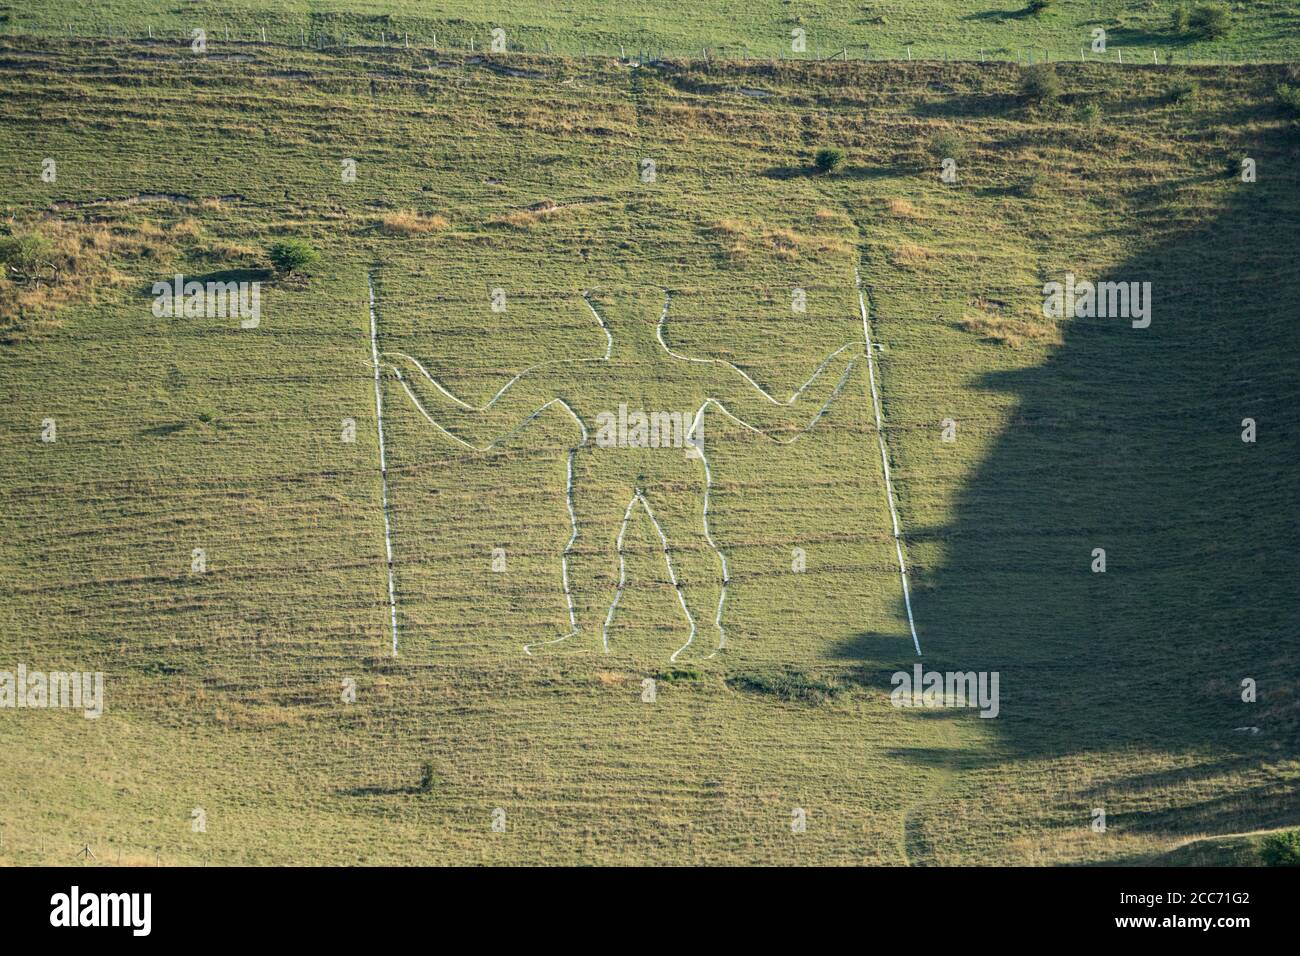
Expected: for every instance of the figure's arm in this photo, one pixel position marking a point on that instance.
(511, 407)
(524, 398)
(782, 420)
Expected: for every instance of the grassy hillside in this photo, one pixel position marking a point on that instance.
(1119, 690)
(881, 29)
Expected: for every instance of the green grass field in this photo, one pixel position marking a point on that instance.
(1119, 691)
(727, 29)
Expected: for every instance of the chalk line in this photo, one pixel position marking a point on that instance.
(884, 461)
(622, 578)
(659, 334)
(568, 485)
(383, 464)
(609, 348)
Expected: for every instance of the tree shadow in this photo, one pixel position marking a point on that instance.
(1130, 440)
(380, 791)
(221, 275)
(966, 105)
(998, 16)
(162, 431)
(1148, 39)
(846, 172)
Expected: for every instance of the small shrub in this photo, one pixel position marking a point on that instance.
(1181, 19)
(1181, 90)
(1210, 20)
(24, 256)
(290, 255)
(946, 144)
(1038, 7)
(1281, 849)
(1040, 84)
(1288, 97)
(828, 159)
(428, 778)
(50, 265)
(1089, 114)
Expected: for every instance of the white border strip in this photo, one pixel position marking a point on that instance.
(383, 464)
(884, 460)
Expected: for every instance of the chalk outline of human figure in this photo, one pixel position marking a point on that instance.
(692, 437)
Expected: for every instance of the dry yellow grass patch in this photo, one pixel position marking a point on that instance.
(534, 214)
(225, 249)
(986, 319)
(236, 715)
(740, 238)
(611, 678)
(912, 256)
(902, 209)
(409, 222)
(74, 264)
(187, 229)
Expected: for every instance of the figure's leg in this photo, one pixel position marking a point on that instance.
(632, 504)
(589, 568)
(566, 580)
(696, 566)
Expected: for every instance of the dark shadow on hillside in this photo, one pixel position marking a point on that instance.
(965, 105)
(162, 431)
(999, 16)
(1147, 39)
(221, 275)
(379, 791)
(845, 172)
(1130, 440)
